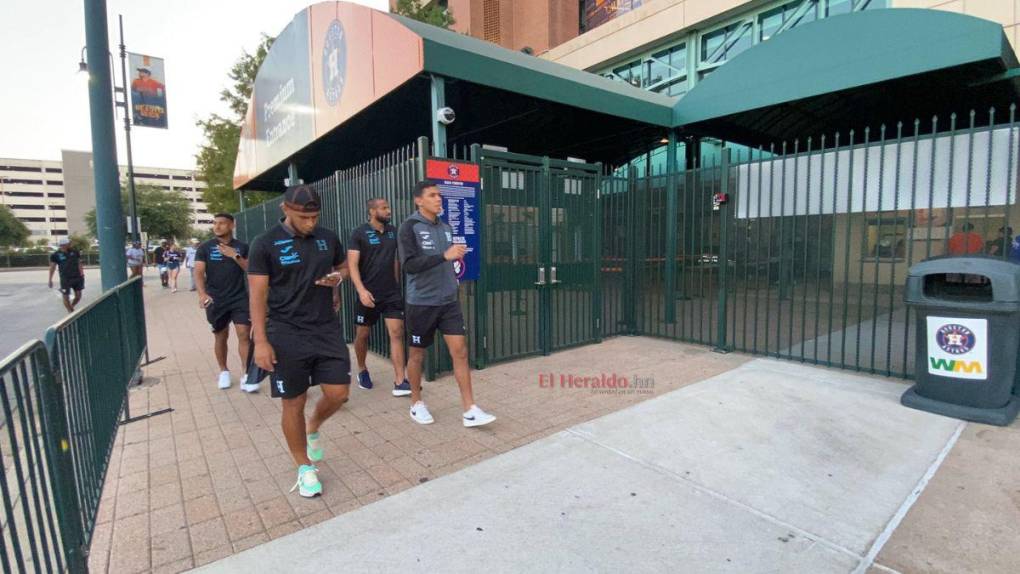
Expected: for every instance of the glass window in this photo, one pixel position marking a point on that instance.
(724, 43)
(785, 17)
(656, 72)
(836, 7)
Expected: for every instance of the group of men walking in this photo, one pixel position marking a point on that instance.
(283, 294)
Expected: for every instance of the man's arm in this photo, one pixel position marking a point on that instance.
(258, 289)
(233, 254)
(203, 298)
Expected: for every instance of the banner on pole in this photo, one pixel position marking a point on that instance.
(148, 91)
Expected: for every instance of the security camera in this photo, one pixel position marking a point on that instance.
(446, 116)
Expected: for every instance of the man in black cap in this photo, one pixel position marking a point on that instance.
(67, 260)
(294, 272)
(220, 264)
(372, 261)
(427, 253)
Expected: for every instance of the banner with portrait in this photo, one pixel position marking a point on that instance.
(148, 91)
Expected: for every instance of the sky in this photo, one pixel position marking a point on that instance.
(44, 105)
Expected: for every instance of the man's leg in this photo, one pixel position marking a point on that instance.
(395, 328)
(77, 299)
(361, 333)
(293, 422)
(221, 348)
(243, 341)
(415, 360)
(66, 295)
(191, 272)
(461, 371)
(333, 397)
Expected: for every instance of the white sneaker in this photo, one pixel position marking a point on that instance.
(420, 413)
(308, 484)
(476, 417)
(224, 382)
(252, 388)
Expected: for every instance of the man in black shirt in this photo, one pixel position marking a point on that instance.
(159, 258)
(72, 276)
(220, 264)
(373, 265)
(294, 272)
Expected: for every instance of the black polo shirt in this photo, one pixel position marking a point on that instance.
(377, 252)
(68, 263)
(293, 264)
(224, 279)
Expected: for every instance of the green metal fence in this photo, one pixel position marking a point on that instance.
(61, 403)
(808, 258)
(40, 512)
(96, 352)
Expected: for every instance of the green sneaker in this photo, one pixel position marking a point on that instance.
(314, 450)
(308, 484)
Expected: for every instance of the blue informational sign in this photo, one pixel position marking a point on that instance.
(459, 185)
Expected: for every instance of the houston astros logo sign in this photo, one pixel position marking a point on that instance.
(955, 339)
(453, 171)
(334, 62)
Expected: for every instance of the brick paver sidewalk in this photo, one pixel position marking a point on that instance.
(212, 478)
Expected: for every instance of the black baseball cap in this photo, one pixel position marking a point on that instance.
(302, 198)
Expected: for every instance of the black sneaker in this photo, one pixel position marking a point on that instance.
(364, 381)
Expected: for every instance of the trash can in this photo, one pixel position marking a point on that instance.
(967, 339)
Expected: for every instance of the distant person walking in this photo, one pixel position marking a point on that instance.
(135, 258)
(174, 257)
(371, 258)
(427, 253)
(67, 260)
(159, 258)
(293, 275)
(189, 260)
(220, 266)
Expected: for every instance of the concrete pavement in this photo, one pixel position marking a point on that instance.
(28, 307)
(769, 467)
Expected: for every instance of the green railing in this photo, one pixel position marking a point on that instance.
(96, 352)
(40, 512)
(61, 405)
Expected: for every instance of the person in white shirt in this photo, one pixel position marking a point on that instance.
(135, 258)
(189, 260)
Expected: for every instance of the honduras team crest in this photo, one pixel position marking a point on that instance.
(334, 62)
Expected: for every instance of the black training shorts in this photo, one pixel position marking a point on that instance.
(221, 316)
(390, 307)
(73, 284)
(307, 359)
(423, 320)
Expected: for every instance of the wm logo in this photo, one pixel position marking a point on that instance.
(956, 366)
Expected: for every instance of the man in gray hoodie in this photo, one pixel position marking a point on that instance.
(427, 252)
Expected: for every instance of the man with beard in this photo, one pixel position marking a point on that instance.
(371, 258)
(220, 266)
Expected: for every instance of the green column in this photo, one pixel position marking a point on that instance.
(438, 128)
(671, 228)
(109, 214)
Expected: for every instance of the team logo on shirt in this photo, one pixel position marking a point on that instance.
(321, 244)
(416, 339)
(215, 254)
(425, 238)
(288, 255)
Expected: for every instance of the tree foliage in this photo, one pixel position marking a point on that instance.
(12, 231)
(164, 214)
(424, 11)
(218, 153)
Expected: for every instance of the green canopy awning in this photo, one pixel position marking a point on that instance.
(844, 71)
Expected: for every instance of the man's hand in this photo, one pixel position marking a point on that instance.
(204, 301)
(331, 280)
(366, 298)
(455, 252)
(227, 250)
(336, 301)
(265, 356)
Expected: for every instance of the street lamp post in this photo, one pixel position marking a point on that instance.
(123, 103)
(109, 215)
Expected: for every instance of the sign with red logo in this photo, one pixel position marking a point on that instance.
(459, 184)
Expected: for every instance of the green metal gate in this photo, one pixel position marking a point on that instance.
(541, 281)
